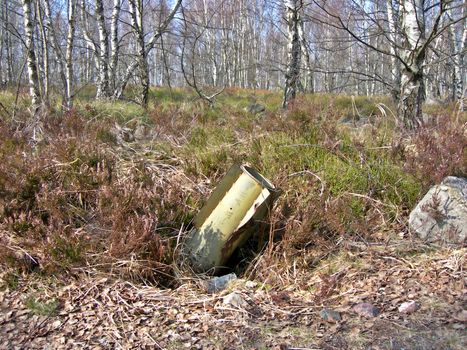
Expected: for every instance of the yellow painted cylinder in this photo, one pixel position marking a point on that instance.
(242, 197)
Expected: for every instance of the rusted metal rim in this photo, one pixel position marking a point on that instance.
(258, 177)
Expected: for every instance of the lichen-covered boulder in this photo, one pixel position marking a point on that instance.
(441, 216)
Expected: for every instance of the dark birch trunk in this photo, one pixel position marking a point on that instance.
(292, 75)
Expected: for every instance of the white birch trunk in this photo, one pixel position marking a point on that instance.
(45, 52)
(150, 45)
(292, 74)
(395, 63)
(31, 55)
(413, 55)
(459, 46)
(136, 14)
(69, 54)
(114, 44)
(308, 85)
(103, 83)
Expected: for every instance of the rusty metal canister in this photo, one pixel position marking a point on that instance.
(241, 199)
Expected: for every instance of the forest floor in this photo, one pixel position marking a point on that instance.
(101, 312)
(92, 216)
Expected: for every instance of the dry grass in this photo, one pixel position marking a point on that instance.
(88, 198)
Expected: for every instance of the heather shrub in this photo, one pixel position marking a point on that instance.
(437, 151)
(83, 197)
(74, 200)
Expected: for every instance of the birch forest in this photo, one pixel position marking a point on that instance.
(233, 174)
(413, 50)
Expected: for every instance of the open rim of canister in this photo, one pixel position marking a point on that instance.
(258, 177)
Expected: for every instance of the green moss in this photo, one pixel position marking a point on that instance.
(11, 280)
(104, 135)
(66, 251)
(42, 308)
(21, 227)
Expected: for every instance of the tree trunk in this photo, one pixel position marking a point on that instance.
(8, 44)
(2, 43)
(45, 52)
(459, 46)
(136, 13)
(150, 45)
(292, 75)
(114, 44)
(69, 54)
(31, 56)
(59, 59)
(395, 63)
(308, 85)
(103, 83)
(412, 92)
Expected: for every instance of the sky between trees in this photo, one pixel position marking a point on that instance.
(411, 49)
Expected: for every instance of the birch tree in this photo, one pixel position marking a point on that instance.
(459, 45)
(31, 55)
(103, 53)
(136, 13)
(69, 54)
(158, 32)
(44, 82)
(64, 62)
(415, 40)
(413, 53)
(292, 74)
(114, 43)
(392, 17)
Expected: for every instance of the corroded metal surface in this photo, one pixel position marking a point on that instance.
(226, 221)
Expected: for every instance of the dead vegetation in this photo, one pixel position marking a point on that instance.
(95, 219)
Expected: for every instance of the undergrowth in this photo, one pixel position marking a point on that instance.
(85, 197)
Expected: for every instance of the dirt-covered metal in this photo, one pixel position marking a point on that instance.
(241, 199)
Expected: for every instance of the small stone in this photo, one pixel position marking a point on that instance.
(251, 284)
(217, 284)
(366, 310)
(458, 326)
(330, 316)
(408, 307)
(236, 300)
(461, 316)
(140, 132)
(56, 324)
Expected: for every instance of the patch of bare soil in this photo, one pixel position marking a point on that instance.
(101, 312)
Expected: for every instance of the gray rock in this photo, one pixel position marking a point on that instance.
(408, 307)
(235, 299)
(122, 134)
(442, 214)
(366, 310)
(330, 316)
(140, 132)
(217, 284)
(255, 108)
(251, 284)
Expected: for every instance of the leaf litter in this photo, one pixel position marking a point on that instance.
(102, 312)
